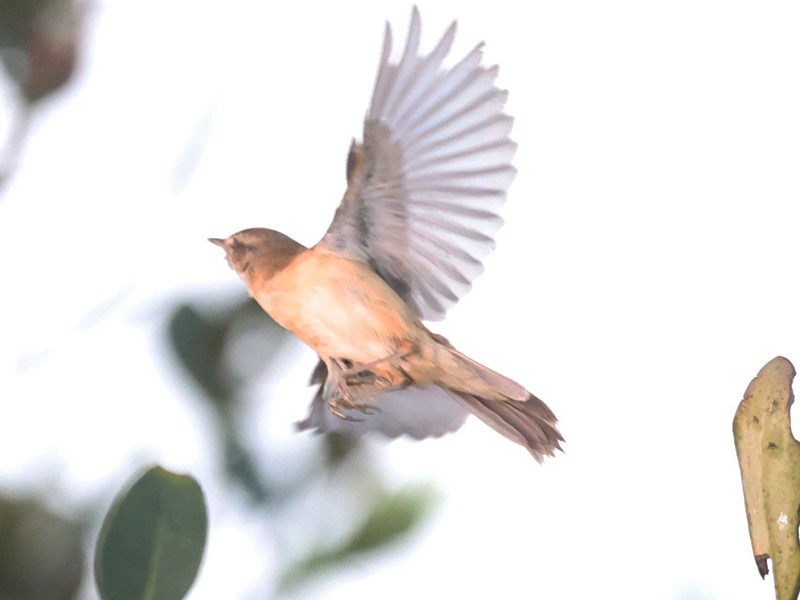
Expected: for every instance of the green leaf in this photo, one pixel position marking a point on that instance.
(198, 341)
(769, 458)
(152, 539)
(392, 517)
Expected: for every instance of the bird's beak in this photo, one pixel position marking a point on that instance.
(217, 242)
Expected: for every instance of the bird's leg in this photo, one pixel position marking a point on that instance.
(340, 395)
(357, 369)
(344, 376)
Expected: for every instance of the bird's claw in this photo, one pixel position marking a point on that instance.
(333, 406)
(343, 401)
(345, 377)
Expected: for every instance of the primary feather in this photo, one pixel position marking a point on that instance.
(426, 183)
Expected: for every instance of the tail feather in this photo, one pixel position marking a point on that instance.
(507, 387)
(529, 423)
(500, 402)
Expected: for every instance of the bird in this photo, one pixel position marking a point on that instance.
(418, 216)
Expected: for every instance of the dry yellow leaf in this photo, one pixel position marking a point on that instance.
(769, 458)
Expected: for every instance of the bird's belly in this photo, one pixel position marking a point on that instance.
(339, 308)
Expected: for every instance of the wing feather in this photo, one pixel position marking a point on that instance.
(427, 182)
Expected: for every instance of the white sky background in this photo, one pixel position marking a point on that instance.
(646, 271)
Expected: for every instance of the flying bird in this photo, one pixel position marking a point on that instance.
(418, 217)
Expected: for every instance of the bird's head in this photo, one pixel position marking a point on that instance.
(258, 252)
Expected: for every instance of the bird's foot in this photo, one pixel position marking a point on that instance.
(343, 400)
(338, 405)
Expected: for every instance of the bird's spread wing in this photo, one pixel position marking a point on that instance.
(425, 186)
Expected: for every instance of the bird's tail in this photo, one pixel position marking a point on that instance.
(504, 405)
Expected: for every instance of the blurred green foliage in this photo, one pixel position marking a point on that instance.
(224, 350)
(392, 517)
(39, 44)
(41, 552)
(152, 539)
(204, 340)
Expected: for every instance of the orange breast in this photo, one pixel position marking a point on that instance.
(339, 307)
